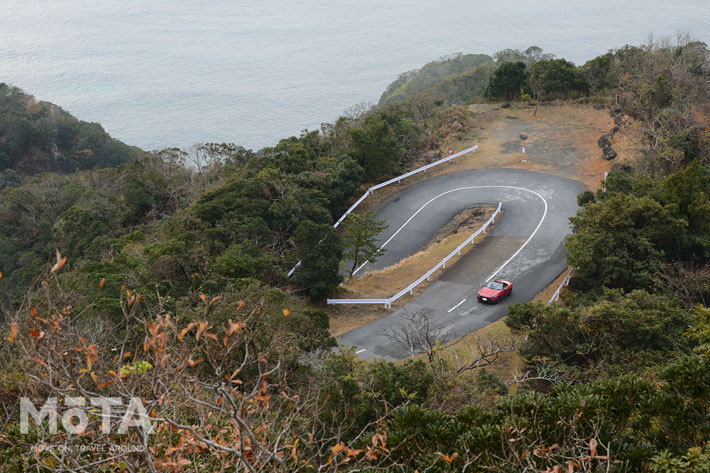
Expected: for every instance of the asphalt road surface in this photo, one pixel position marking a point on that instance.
(526, 247)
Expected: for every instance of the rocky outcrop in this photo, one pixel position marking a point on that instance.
(604, 141)
(618, 167)
(609, 153)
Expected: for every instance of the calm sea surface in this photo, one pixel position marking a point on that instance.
(174, 72)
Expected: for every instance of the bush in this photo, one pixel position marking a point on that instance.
(508, 81)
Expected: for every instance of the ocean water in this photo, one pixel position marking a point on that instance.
(176, 72)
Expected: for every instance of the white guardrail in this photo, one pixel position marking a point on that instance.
(441, 265)
(392, 181)
(564, 282)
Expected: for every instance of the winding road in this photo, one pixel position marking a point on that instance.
(526, 247)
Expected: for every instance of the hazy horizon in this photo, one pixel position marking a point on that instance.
(176, 73)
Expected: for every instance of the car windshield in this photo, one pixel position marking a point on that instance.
(495, 285)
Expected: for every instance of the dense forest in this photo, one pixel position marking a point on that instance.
(38, 137)
(164, 277)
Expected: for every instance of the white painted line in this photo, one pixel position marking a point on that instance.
(448, 192)
(456, 306)
(360, 351)
(544, 214)
(409, 220)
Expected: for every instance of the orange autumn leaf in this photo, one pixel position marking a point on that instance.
(286, 312)
(203, 330)
(61, 261)
(240, 304)
(233, 327)
(337, 448)
(234, 375)
(34, 312)
(13, 332)
(184, 331)
(263, 398)
(203, 297)
(191, 362)
(37, 334)
(593, 444)
(448, 458)
(102, 283)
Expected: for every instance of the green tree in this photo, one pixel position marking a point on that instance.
(688, 191)
(618, 330)
(600, 73)
(375, 147)
(360, 244)
(620, 241)
(320, 250)
(507, 81)
(556, 78)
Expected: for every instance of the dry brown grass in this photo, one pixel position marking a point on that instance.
(545, 294)
(464, 350)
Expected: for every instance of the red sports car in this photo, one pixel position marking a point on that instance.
(494, 291)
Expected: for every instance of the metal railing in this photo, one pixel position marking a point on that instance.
(392, 181)
(427, 276)
(564, 282)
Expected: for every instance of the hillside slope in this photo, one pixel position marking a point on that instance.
(38, 137)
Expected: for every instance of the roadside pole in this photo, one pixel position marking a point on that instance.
(523, 137)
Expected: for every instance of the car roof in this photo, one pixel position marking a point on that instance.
(503, 280)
